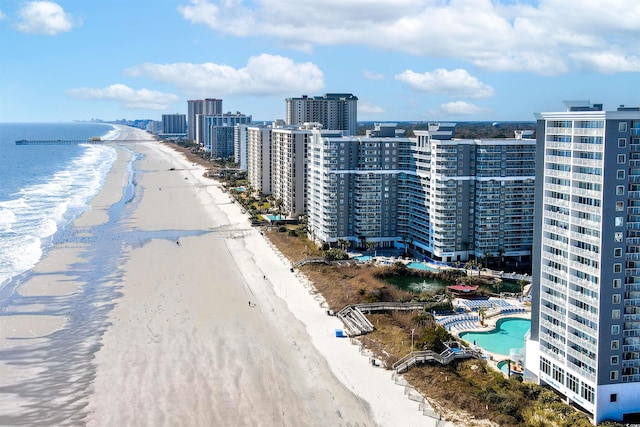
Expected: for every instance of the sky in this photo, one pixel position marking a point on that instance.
(405, 60)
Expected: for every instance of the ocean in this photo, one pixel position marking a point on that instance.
(44, 188)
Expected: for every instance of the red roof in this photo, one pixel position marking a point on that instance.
(462, 288)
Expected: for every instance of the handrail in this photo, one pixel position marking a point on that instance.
(444, 358)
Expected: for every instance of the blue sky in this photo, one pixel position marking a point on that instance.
(404, 59)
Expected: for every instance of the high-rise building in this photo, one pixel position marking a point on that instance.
(195, 107)
(334, 111)
(446, 198)
(259, 158)
(174, 124)
(240, 146)
(289, 169)
(212, 106)
(585, 324)
(220, 142)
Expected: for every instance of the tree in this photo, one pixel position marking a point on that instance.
(486, 256)
(341, 243)
(522, 284)
(481, 313)
(498, 285)
(468, 266)
(278, 203)
(371, 246)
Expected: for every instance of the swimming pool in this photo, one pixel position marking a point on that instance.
(274, 217)
(364, 258)
(508, 334)
(420, 266)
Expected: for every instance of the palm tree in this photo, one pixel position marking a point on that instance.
(341, 243)
(486, 256)
(522, 284)
(481, 312)
(468, 266)
(371, 246)
(498, 285)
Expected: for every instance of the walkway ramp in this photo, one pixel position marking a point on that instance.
(355, 323)
(444, 358)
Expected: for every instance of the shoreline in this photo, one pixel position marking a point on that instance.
(167, 335)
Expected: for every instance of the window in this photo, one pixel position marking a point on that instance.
(622, 127)
(613, 397)
(615, 298)
(558, 374)
(620, 174)
(615, 360)
(615, 344)
(572, 383)
(617, 252)
(613, 375)
(619, 222)
(615, 329)
(620, 206)
(619, 190)
(617, 283)
(617, 268)
(617, 236)
(587, 392)
(615, 314)
(622, 142)
(545, 366)
(622, 159)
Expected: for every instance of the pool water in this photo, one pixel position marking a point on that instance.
(509, 333)
(420, 266)
(364, 258)
(275, 217)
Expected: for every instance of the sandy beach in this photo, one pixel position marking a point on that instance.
(165, 307)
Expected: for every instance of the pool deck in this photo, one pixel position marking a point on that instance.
(489, 324)
(389, 260)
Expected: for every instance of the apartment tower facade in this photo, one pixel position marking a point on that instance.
(334, 111)
(585, 325)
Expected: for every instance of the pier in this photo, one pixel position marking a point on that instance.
(59, 141)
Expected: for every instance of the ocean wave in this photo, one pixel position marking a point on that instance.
(33, 216)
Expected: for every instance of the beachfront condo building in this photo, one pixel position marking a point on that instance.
(259, 158)
(353, 188)
(333, 111)
(174, 124)
(216, 133)
(445, 198)
(289, 169)
(208, 107)
(585, 325)
(277, 164)
(240, 146)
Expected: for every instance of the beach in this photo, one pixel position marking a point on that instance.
(167, 308)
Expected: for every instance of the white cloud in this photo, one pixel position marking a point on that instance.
(129, 98)
(461, 108)
(2, 15)
(368, 108)
(44, 17)
(608, 62)
(372, 75)
(263, 75)
(456, 83)
(543, 37)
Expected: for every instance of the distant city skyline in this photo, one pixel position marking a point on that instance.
(405, 60)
